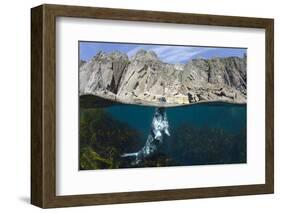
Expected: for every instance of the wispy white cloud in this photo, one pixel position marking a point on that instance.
(166, 53)
(185, 54)
(135, 50)
(172, 54)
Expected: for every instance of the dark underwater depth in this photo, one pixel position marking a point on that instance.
(200, 134)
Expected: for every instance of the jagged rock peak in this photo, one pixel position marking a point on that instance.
(100, 55)
(144, 55)
(145, 79)
(115, 55)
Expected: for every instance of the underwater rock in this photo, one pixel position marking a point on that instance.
(92, 101)
(144, 79)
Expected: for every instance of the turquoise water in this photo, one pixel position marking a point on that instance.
(229, 117)
(200, 134)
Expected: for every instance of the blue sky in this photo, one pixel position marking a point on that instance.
(168, 54)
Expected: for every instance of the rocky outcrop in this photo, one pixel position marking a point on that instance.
(145, 79)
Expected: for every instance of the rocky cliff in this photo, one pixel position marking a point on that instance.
(145, 79)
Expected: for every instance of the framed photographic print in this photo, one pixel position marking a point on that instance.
(136, 106)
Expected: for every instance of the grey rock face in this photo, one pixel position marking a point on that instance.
(145, 79)
(103, 73)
